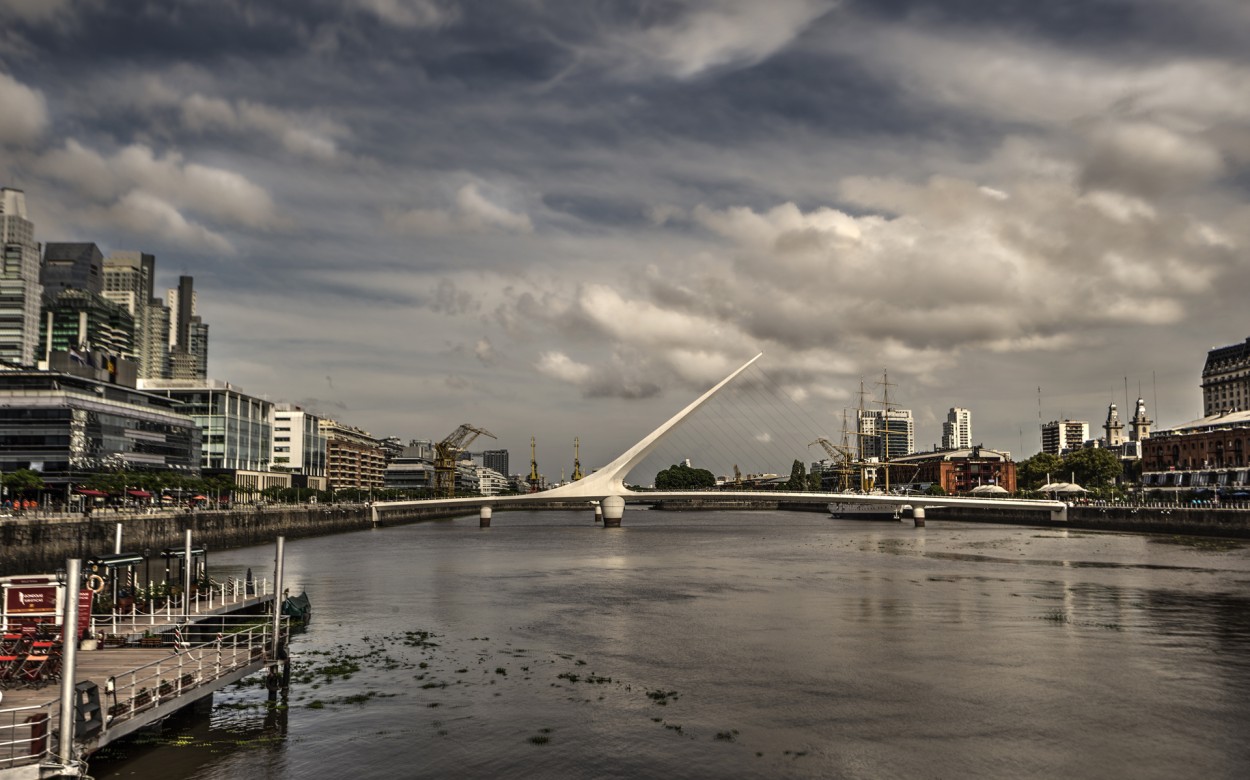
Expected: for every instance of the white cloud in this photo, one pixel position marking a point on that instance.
(716, 33)
(412, 13)
(202, 113)
(24, 115)
(471, 212)
(560, 366)
(147, 215)
(217, 193)
(1028, 81)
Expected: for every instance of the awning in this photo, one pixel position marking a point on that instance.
(91, 492)
(139, 493)
(199, 498)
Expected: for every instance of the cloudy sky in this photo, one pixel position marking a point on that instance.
(569, 218)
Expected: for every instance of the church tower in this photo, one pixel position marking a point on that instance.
(1113, 427)
(1140, 422)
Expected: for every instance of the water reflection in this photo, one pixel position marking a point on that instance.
(780, 645)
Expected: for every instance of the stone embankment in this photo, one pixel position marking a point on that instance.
(1183, 521)
(42, 543)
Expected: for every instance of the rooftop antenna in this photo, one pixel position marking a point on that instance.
(1154, 394)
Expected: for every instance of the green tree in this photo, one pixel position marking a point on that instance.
(814, 481)
(935, 490)
(1093, 467)
(798, 477)
(23, 483)
(683, 477)
(1033, 473)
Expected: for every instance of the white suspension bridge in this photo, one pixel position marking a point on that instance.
(606, 487)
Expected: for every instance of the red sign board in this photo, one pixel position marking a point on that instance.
(84, 611)
(28, 599)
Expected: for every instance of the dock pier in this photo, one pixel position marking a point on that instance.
(138, 668)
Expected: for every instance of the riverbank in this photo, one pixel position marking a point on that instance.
(1183, 521)
(42, 543)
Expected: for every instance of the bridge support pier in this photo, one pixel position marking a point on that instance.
(598, 513)
(613, 509)
(483, 517)
(917, 516)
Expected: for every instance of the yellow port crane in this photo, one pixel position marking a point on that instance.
(535, 479)
(445, 454)
(577, 461)
(843, 456)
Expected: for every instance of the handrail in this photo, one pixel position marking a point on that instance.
(26, 741)
(222, 594)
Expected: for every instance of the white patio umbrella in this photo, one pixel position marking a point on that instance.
(989, 490)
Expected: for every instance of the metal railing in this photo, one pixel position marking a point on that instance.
(143, 617)
(24, 735)
(28, 734)
(192, 665)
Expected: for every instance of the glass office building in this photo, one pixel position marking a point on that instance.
(67, 427)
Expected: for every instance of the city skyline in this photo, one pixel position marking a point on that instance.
(410, 214)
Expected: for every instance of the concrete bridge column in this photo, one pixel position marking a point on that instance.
(613, 508)
(598, 513)
(483, 516)
(917, 516)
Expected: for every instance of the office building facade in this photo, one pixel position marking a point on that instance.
(354, 458)
(21, 294)
(188, 334)
(1226, 379)
(67, 427)
(885, 434)
(957, 430)
(1060, 436)
(79, 321)
(299, 444)
(496, 460)
(71, 266)
(129, 281)
(237, 429)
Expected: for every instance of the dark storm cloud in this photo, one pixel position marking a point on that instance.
(631, 197)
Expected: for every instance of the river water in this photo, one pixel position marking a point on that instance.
(745, 644)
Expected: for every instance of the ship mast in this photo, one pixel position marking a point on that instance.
(884, 434)
(866, 483)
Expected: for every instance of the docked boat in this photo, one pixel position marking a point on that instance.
(298, 608)
(864, 511)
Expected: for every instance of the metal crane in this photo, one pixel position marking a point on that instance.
(445, 454)
(843, 456)
(577, 461)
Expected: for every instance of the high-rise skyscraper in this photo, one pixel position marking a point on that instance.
(76, 320)
(188, 334)
(129, 281)
(71, 266)
(496, 459)
(885, 433)
(957, 430)
(1060, 436)
(21, 294)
